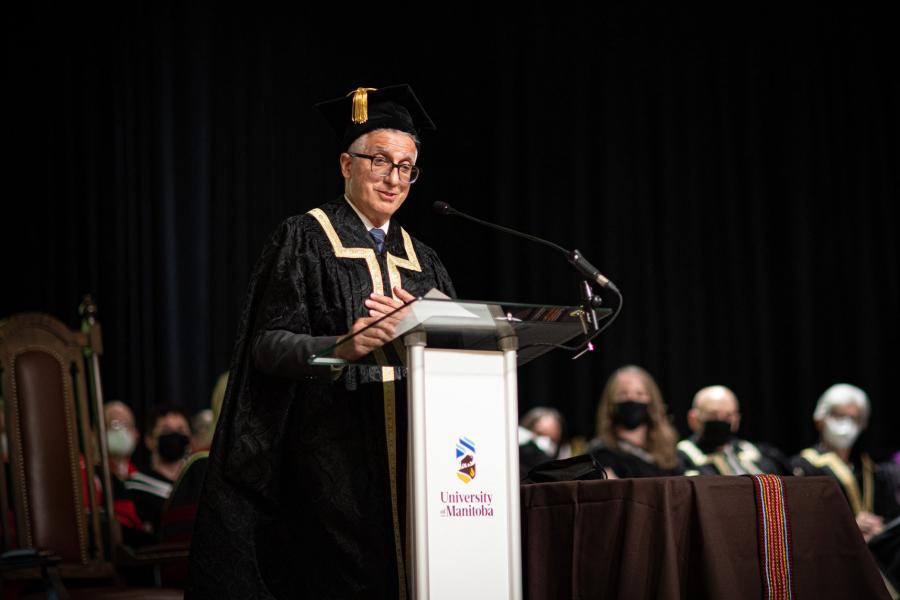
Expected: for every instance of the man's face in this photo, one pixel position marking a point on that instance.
(550, 427)
(120, 416)
(715, 404)
(170, 423)
(378, 197)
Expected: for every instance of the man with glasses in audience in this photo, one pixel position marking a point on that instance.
(305, 493)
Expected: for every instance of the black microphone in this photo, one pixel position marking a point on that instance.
(575, 257)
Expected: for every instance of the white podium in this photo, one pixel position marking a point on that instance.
(463, 522)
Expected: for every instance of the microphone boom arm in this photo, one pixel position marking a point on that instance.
(575, 257)
(581, 264)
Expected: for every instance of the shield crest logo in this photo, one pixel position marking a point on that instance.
(465, 459)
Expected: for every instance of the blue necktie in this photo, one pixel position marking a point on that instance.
(378, 236)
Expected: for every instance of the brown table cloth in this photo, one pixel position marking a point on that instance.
(685, 537)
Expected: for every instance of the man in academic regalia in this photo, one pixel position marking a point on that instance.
(305, 492)
(714, 448)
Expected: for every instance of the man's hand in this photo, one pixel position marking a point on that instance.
(870, 525)
(379, 334)
(403, 295)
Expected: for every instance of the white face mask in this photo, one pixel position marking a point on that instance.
(546, 444)
(120, 442)
(840, 432)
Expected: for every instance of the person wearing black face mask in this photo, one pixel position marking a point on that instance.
(168, 440)
(713, 449)
(634, 436)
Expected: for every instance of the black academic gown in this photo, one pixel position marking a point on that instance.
(305, 490)
(748, 458)
(866, 485)
(627, 464)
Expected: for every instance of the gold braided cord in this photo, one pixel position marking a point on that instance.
(360, 112)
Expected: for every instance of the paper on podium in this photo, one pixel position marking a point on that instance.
(445, 312)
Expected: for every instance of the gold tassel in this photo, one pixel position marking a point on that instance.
(361, 104)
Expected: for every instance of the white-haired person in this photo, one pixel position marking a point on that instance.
(841, 415)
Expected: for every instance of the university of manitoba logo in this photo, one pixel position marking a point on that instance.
(465, 459)
(471, 503)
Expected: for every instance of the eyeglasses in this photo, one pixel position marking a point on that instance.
(382, 167)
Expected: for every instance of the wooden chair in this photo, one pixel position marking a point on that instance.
(52, 404)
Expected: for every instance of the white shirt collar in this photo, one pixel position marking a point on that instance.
(367, 222)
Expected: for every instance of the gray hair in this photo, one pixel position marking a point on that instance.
(530, 419)
(359, 144)
(838, 395)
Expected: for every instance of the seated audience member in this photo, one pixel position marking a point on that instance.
(167, 437)
(548, 427)
(204, 422)
(180, 509)
(530, 452)
(202, 425)
(714, 449)
(841, 414)
(634, 436)
(121, 440)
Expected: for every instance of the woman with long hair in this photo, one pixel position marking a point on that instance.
(634, 435)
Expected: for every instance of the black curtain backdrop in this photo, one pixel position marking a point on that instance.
(735, 173)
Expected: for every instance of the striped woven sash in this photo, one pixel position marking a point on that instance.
(775, 548)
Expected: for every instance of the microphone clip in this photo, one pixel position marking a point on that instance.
(592, 301)
(588, 316)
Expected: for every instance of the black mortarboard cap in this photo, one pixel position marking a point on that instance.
(366, 109)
